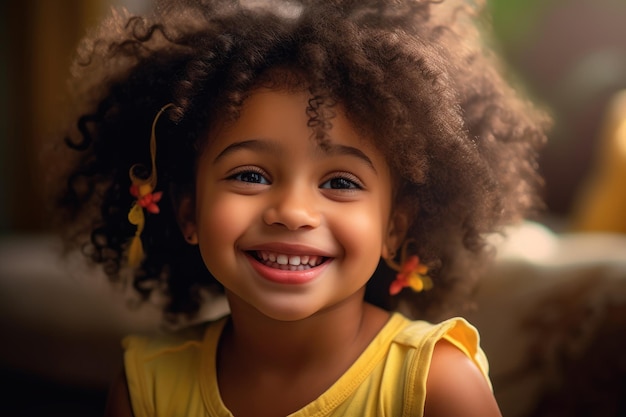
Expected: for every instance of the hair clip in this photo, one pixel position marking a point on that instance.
(411, 273)
(146, 198)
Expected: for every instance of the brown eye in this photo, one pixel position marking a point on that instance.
(341, 183)
(250, 176)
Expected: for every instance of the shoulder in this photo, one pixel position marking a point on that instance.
(118, 399)
(154, 345)
(149, 356)
(423, 336)
(456, 386)
(447, 371)
(161, 371)
(167, 338)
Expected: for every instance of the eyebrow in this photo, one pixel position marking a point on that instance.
(270, 147)
(252, 144)
(338, 149)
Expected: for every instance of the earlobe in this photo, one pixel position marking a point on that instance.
(186, 219)
(396, 233)
(191, 237)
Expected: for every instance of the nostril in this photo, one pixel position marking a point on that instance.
(292, 218)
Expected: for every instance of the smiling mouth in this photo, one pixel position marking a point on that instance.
(288, 262)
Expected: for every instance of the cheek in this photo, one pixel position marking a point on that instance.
(361, 235)
(220, 223)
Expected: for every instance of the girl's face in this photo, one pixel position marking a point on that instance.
(288, 227)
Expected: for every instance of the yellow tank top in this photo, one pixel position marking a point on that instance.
(175, 375)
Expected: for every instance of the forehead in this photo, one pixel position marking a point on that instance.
(290, 114)
(278, 125)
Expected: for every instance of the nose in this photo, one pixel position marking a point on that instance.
(293, 209)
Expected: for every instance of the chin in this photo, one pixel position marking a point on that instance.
(287, 313)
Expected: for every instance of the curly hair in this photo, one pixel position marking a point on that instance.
(413, 75)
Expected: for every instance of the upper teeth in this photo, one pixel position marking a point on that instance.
(295, 260)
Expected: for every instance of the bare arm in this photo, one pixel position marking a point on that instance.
(456, 387)
(118, 401)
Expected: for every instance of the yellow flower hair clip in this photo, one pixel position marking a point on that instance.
(411, 273)
(146, 198)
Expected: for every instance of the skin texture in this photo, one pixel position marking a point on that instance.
(456, 387)
(264, 185)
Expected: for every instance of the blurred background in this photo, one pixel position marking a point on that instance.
(570, 55)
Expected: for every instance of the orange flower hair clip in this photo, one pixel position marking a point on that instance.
(411, 273)
(143, 190)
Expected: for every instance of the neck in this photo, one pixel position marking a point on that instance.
(344, 329)
(280, 366)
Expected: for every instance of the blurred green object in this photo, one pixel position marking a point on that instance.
(513, 20)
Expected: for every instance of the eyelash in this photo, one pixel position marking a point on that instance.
(238, 176)
(348, 181)
(346, 178)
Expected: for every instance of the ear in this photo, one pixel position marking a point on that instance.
(396, 233)
(186, 217)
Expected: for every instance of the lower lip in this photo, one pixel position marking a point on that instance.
(286, 277)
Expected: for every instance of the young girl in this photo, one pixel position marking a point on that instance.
(321, 164)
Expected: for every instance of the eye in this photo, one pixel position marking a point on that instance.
(250, 176)
(342, 182)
